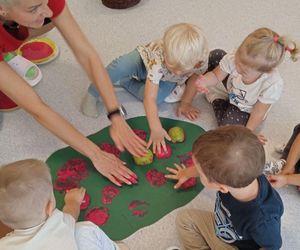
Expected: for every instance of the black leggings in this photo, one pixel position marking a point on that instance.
(225, 112)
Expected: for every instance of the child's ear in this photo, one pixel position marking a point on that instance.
(223, 189)
(50, 207)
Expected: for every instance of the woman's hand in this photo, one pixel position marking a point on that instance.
(113, 168)
(157, 138)
(124, 137)
(188, 111)
(180, 173)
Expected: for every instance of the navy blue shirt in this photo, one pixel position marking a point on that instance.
(250, 225)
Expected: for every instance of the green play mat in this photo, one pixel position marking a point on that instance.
(154, 202)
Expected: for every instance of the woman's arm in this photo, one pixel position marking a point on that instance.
(21, 93)
(87, 56)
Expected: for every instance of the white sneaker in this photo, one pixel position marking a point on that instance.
(280, 148)
(274, 167)
(89, 106)
(176, 94)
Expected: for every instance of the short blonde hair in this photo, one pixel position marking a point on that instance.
(264, 49)
(25, 190)
(185, 46)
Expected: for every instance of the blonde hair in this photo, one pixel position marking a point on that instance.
(264, 49)
(25, 190)
(184, 46)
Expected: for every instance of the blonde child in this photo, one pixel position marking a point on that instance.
(247, 211)
(28, 208)
(248, 81)
(151, 72)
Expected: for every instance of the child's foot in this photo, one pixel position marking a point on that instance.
(280, 148)
(120, 245)
(89, 106)
(274, 167)
(176, 94)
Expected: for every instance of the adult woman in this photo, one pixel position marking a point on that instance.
(30, 16)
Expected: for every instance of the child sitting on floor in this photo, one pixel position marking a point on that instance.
(151, 72)
(246, 83)
(28, 208)
(247, 211)
(289, 163)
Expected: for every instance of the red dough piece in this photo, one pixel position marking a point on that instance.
(97, 215)
(140, 133)
(85, 202)
(109, 193)
(138, 208)
(70, 175)
(64, 185)
(164, 154)
(156, 178)
(36, 50)
(190, 183)
(110, 148)
(187, 160)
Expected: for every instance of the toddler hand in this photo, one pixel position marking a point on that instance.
(263, 140)
(200, 84)
(178, 173)
(188, 111)
(277, 181)
(157, 138)
(75, 195)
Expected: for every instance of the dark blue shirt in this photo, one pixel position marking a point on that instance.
(250, 225)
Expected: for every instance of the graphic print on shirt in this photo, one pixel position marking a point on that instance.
(238, 97)
(223, 225)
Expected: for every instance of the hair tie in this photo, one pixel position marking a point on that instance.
(289, 49)
(275, 38)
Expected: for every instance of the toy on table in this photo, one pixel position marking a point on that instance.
(176, 134)
(39, 50)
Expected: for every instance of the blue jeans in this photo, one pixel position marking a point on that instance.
(129, 72)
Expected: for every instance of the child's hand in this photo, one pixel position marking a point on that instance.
(188, 111)
(178, 173)
(75, 195)
(278, 181)
(201, 84)
(263, 140)
(157, 138)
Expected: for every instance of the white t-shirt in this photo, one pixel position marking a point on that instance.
(267, 89)
(152, 55)
(57, 232)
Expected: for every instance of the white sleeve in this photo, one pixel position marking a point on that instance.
(227, 63)
(69, 220)
(271, 93)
